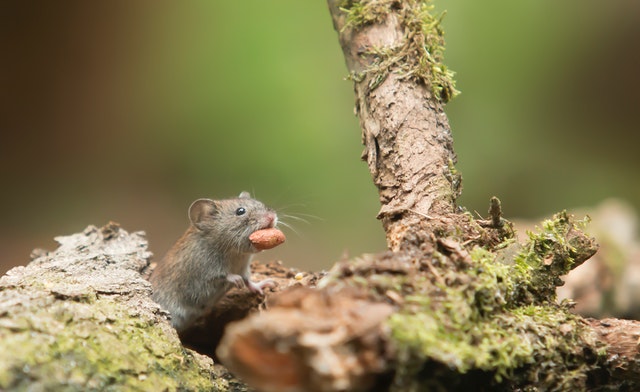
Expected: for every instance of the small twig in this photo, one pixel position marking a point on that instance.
(434, 272)
(421, 214)
(495, 211)
(495, 215)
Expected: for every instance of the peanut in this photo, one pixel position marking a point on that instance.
(266, 238)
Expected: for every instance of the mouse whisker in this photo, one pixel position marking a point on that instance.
(290, 227)
(292, 205)
(309, 216)
(296, 218)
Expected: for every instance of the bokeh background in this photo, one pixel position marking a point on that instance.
(128, 111)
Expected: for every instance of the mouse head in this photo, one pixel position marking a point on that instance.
(230, 222)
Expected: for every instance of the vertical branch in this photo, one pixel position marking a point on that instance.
(392, 50)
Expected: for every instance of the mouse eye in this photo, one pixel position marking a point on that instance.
(241, 211)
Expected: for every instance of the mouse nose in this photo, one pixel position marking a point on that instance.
(272, 220)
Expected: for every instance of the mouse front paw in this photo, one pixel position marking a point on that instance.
(236, 280)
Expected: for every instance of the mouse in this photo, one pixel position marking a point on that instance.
(211, 257)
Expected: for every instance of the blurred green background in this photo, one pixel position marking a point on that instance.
(128, 111)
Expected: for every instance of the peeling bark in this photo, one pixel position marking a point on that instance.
(311, 340)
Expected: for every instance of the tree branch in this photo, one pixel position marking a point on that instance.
(408, 143)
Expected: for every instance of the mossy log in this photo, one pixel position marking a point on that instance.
(449, 315)
(80, 318)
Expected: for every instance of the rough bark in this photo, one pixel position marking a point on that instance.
(80, 318)
(407, 139)
(622, 339)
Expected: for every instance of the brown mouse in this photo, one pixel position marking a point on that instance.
(212, 256)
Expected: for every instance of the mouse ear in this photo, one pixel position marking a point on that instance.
(200, 210)
(244, 195)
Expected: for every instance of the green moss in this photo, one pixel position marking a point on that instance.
(363, 13)
(550, 253)
(497, 316)
(455, 178)
(484, 312)
(419, 56)
(51, 354)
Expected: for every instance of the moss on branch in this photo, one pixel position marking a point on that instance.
(466, 312)
(420, 53)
